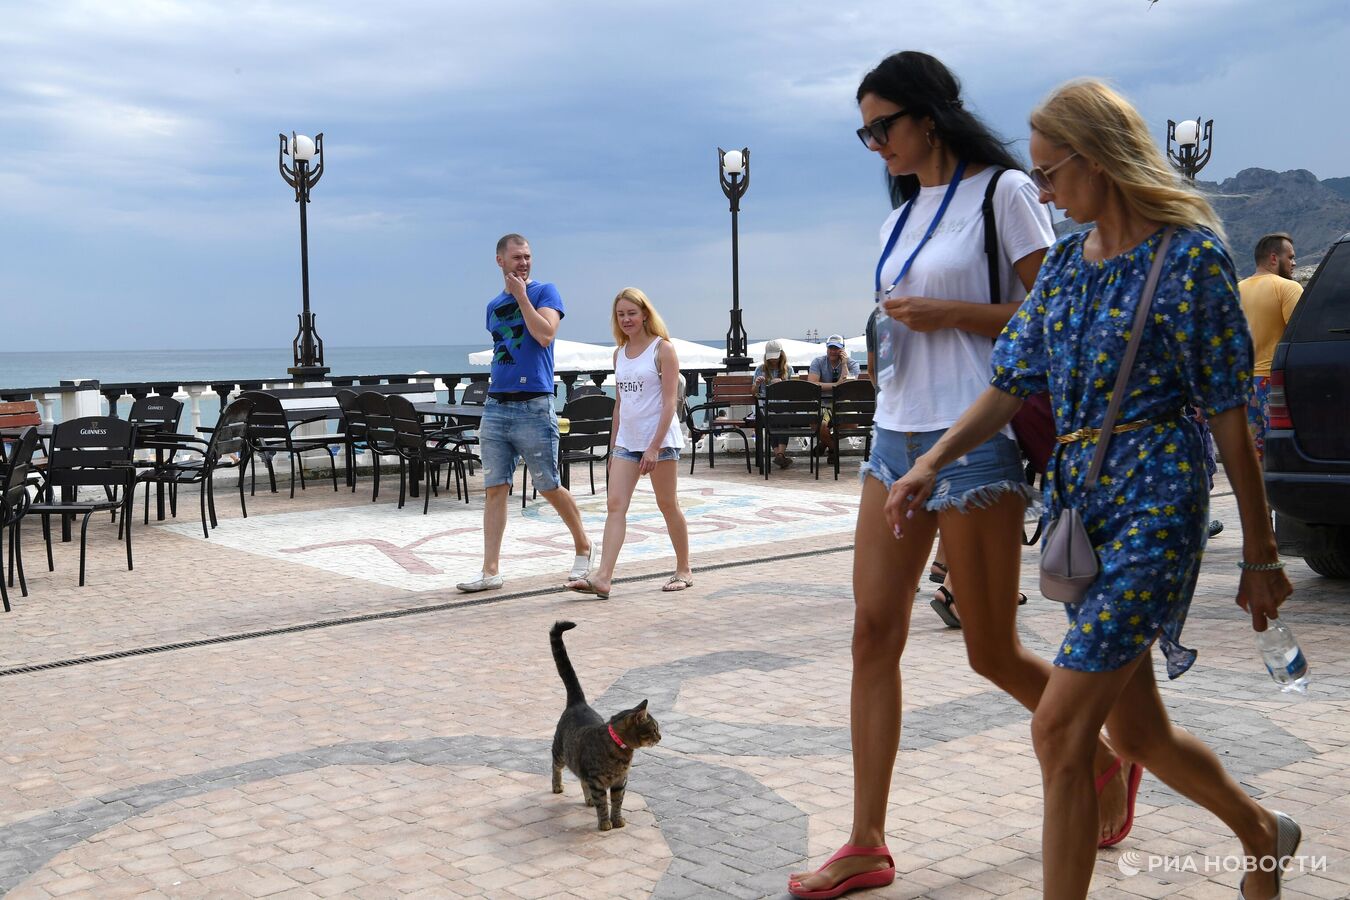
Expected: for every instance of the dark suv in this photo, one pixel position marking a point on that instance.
(1308, 445)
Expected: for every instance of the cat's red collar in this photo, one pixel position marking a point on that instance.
(614, 734)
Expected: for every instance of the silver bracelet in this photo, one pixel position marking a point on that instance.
(1261, 567)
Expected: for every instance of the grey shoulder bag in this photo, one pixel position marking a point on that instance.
(1068, 561)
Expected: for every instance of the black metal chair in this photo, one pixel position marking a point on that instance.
(585, 390)
(270, 432)
(353, 426)
(14, 504)
(590, 421)
(854, 408)
(475, 393)
(93, 451)
(156, 415)
(381, 438)
(791, 409)
(227, 448)
(410, 441)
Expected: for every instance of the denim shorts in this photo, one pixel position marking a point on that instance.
(664, 454)
(977, 479)
(519, 429)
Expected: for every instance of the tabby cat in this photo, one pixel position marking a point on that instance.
(598, 752)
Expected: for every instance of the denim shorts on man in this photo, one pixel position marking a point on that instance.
(512, 430)
(976, 480)
(662, 455)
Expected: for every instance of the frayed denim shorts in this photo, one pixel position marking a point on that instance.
(976, 480)
(662, 455)
(512, 430)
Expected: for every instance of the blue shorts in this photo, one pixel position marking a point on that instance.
(664, 454)
(519, 429)
(977, 479)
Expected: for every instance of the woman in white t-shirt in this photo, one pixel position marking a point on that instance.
(935, 329)
(645, 438)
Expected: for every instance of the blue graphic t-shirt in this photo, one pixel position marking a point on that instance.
(518, 362)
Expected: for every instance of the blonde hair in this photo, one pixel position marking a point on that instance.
(1102, 126)
(654, 324)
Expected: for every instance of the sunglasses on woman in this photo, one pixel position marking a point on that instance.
(878, 130)
(1041, 177)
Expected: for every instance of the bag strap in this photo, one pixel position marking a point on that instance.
(1131, 351)
(991, 238)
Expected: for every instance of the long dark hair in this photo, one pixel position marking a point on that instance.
(922, 84)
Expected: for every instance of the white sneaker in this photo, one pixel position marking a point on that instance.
(484, 582)
(581, 564)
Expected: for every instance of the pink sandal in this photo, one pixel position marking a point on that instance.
(1132, 790)
(875, 878)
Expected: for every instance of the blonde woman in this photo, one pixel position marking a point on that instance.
(1148, 512)
(645, 440)
(772, 370)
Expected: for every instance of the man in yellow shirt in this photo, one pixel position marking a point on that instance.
(1268, 300)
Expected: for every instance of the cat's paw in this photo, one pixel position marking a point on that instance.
(557, 789)
(606, 826)
(619, 822)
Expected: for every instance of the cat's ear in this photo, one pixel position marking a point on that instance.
(640, 711)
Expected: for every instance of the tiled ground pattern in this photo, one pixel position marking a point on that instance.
(409, 755)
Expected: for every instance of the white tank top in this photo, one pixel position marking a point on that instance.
(639, 391)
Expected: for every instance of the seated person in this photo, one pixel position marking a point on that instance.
(833, 368)
(774, 368)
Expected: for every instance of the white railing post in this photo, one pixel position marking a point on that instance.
(194, 397)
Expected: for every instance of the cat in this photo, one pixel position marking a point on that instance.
(598, 752)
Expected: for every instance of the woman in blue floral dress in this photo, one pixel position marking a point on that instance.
(1148, 513)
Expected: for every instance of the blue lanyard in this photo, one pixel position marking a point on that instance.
(900, 226)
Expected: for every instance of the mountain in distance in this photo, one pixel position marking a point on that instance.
(1258, 201)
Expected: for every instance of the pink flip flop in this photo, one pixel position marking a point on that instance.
(1132, 788)
(875, 878)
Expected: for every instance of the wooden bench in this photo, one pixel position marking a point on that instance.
(731, 399)
(15, 416)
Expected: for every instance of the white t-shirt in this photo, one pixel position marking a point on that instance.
(938, 374)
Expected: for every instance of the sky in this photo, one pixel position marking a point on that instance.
(141, 206)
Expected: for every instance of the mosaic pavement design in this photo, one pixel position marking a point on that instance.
(403, 549)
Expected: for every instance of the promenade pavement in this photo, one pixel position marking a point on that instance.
(303, 706)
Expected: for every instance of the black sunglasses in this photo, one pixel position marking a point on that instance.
(878, 129)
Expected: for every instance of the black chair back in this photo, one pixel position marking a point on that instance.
(585, 390)
(591, 419)
(792, 409)
(93, 450)
(267, 420)
(475, 394)
(231, 434)
(164, 413)
(380, 434)
(855, 405)
(407, 426)
(13, 486)
(354, 422)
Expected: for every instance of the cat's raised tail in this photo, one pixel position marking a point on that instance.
(575, 694)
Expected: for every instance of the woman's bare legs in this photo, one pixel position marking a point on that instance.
(623, 478)
(985, 555)
(665, 485)
(885, 574)
(1064, 731)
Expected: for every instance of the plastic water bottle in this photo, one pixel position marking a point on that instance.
(1282, 656)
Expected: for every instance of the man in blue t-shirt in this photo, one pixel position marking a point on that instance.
(518, 419)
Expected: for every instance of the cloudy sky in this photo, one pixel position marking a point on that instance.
(141, 207)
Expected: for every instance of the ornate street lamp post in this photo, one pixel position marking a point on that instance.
(1188, 157)
(733, 170)
(307, 346)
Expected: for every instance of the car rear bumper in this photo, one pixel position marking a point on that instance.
(1309, 497)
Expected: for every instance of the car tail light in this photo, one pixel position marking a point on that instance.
(1279, 403)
